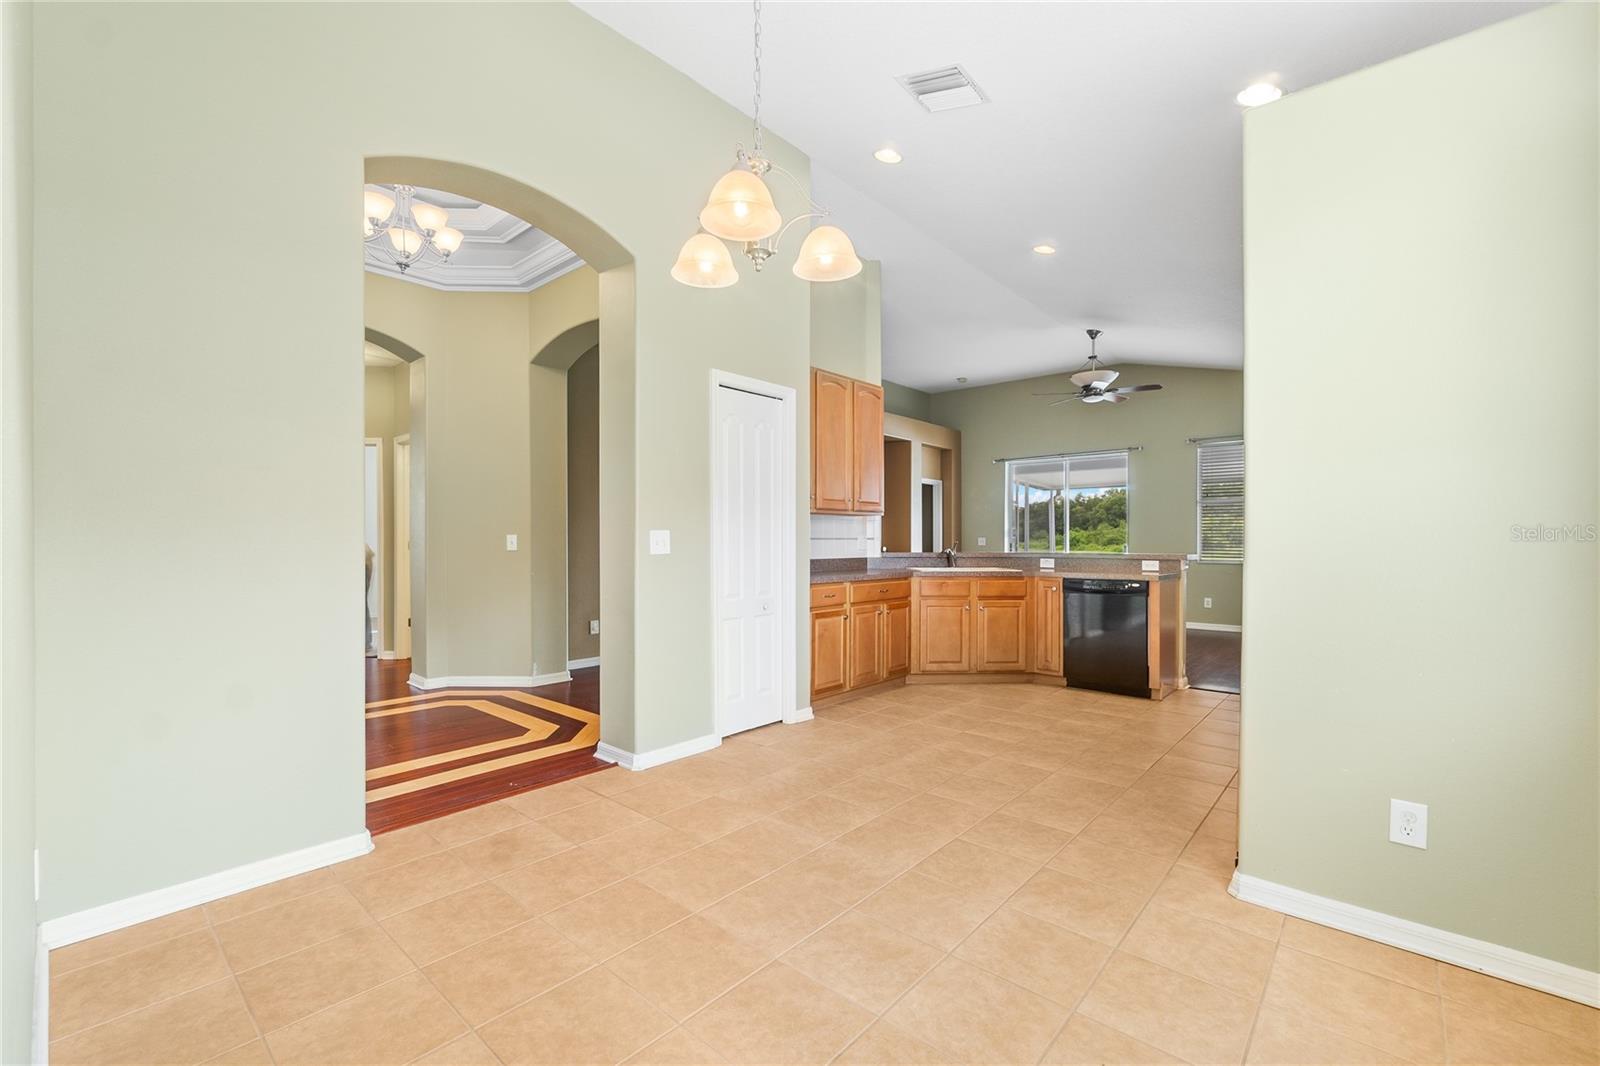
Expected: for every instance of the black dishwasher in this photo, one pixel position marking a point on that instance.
(1103, 636)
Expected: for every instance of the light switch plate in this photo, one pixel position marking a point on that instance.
(594, 627)
(661, 542)
(1150, 566)
(983, 542)
(511, 542)
(1207, 603)
(1047, 564)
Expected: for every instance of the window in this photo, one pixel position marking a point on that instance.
(1219, 501)
(1063, 503)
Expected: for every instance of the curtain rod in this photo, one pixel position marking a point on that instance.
(1072, 455)
(1227, 438)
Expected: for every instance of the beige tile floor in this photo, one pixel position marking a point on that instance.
(973, 873)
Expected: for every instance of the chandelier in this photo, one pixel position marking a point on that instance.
(406, 230)
(740, 210)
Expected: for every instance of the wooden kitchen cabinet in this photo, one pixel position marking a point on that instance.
(866, 644)
(846, 445)
(944, 635)
(1002, 635)
(866, 414)
(860, 635)
(896, 639)
(830, 651)
(1047, 626)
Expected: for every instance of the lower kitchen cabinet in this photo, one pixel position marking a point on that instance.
(944, 636)
(830, 651)
(1047, 626)
(1002, 635)
(860, 635)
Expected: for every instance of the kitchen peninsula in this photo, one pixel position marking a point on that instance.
(985, 616)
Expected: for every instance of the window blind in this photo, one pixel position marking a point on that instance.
(1220, 501)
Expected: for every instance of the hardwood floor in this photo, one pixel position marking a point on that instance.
(1213, 660)
(434, 753)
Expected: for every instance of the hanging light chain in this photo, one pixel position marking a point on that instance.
(757, 111)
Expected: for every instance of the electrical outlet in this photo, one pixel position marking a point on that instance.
(1150, 566)
(594, 627)
(661, 542)
(1047, 563)
(983, 542)
(1408, 823)
(511, 542)
(1207, 602)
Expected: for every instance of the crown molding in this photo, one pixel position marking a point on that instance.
(539, 267)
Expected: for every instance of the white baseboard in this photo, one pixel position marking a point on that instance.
(109, 917)
(583, 664)
(40, 1037)
(489, 680)
(643, 760)
(1215, 627)
(803, 714)
(1508, 964)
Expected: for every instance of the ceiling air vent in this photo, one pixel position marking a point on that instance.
(944, 89)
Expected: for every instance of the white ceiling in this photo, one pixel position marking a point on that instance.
(1111, 132)
(499, 252)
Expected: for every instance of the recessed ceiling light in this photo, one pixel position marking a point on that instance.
(1044, 249)
(961, 381)
(1261, 92)
(887, 155)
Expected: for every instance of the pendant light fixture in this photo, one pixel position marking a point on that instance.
(740, 209)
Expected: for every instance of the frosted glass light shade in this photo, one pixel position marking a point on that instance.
(374, 205)
(408, 242)
(827, 255)
(429, 217)
(447, 239)
(704, 262)
(740, 208)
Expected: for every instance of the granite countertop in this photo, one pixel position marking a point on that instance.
(829, 577)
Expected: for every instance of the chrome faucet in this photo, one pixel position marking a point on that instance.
(949, 556)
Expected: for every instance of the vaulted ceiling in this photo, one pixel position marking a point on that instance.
(1110, 132)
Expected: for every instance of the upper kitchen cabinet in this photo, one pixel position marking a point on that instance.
(846, 445)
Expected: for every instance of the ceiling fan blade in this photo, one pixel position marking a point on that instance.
(1114, 397)
(1137, 388)
(1058, 403)
(1053, 394)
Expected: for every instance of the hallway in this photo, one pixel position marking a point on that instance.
(434, 753)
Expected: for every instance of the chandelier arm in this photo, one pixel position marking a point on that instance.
(778, 238)
(820, 211)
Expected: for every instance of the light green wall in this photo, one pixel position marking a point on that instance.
(17, 776)
(196, 519)
(847, 325)
(1429, 224)
(583, 504)
(901, 399)
(1007, 420)
(387, 398)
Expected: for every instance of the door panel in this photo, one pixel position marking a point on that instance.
(831, 438)
(748, 516)
(866, 412)
(1002, 635)
(866, 646)
(829, 651)
(944, 629)
(1047, 626)
(897, 639)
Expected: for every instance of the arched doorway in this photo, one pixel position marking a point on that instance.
(516, 646)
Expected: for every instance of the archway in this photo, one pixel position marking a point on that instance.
(446, 657)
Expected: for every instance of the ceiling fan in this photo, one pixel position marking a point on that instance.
(1094, 382)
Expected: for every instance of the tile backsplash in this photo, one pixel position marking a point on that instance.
(846, 536)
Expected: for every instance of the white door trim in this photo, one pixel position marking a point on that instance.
(400, 637)
(938, 511)
(788, 444)
(380, 572)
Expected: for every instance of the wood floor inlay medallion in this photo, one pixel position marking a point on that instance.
(429, 753)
